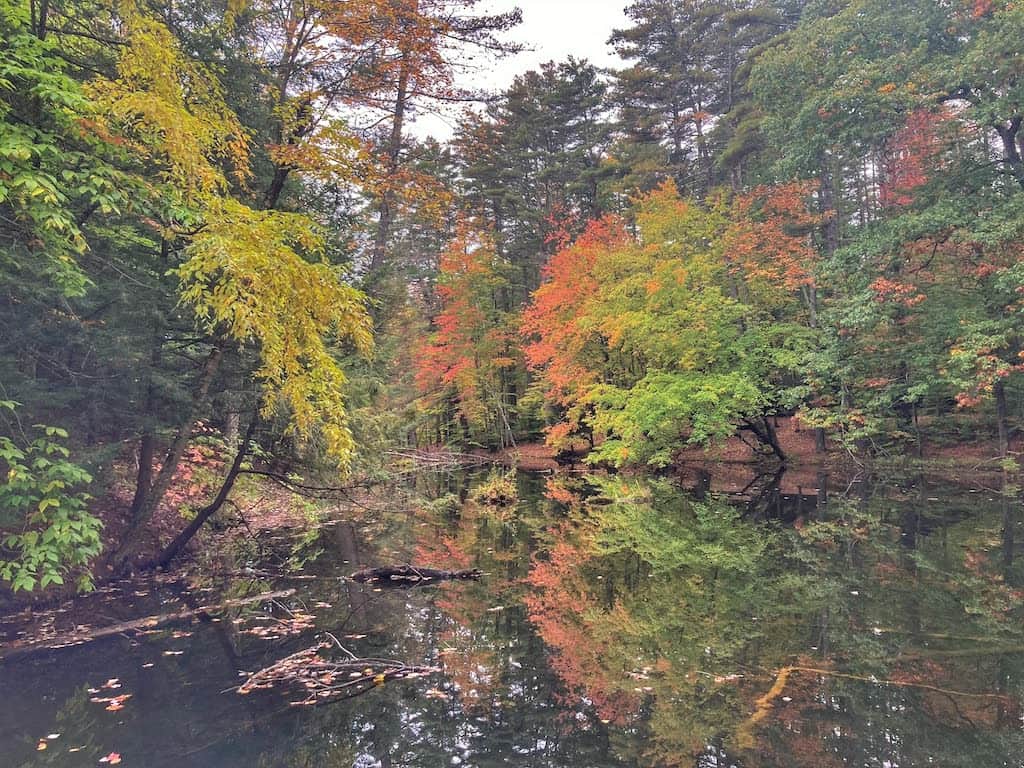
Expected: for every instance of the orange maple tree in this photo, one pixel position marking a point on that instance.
(473, 350)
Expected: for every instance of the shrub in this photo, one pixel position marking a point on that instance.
(49, 533)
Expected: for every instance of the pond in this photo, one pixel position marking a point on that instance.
(619, 622)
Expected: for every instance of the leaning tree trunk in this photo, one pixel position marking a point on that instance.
(172, 550)
(131, 540)
(765, 433)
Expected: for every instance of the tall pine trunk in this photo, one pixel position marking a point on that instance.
(999, 390)
(394, 155)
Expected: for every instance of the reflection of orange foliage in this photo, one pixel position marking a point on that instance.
(556, 490)
(443, 552)
(470, 655)
(558, 609)
(887, 573)
(972, 713)
(473, 669)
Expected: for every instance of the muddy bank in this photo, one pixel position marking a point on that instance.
(738, 463)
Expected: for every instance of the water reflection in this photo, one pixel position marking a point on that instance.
(879, 628)
(720, 621)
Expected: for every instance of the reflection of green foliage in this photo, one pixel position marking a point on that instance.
(305, 549)
(691, 609)
(76, 724)
(668, 531)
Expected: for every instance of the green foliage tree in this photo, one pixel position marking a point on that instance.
(46, 530)
(674, 335)
(912, 135)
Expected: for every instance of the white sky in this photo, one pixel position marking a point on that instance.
(552, 30)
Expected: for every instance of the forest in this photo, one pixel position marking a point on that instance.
(652, 415)
(221, 236)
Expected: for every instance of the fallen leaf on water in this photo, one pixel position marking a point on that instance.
(76, 749)
(114, 703)
(112, 683)
(41, 745)
(113, 758)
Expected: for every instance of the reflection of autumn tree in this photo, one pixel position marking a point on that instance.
(479, 617)
(680, 619)
(652, 603)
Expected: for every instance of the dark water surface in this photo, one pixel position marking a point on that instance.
(620, 622)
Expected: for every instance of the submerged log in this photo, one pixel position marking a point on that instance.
(409, 574)
(85, 634)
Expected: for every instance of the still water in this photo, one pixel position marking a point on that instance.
(620, 622)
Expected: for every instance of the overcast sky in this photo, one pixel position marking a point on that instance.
(552, 30)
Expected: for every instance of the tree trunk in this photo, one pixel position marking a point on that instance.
(830, 236)
(231, 420)
(276, 187)
(410, 574)
(773, 439)
(147, 441)
(1011, 153)
(121, 559)
(172, 550)
(765, 434)
(144, 476)
(827, 208)
(999, 390)
(394, 153)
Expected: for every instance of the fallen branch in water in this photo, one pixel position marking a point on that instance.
(325, 680)
(81, 635)
(442, 459)
(763, 707)
(408, 574)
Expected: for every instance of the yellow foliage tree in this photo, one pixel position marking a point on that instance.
(250, 276)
